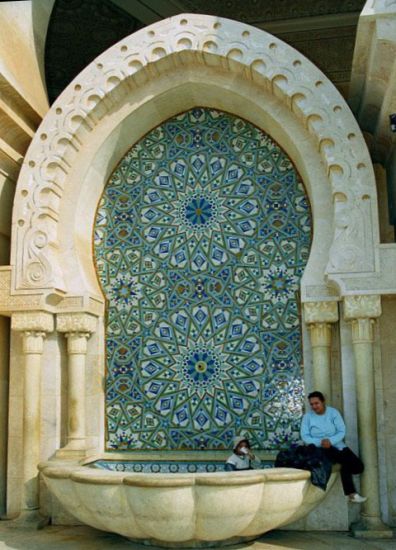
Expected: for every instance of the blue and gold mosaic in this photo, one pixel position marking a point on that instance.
(201, 238)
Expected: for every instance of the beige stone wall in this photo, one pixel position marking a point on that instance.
(4, 377)
(388, 354)
(22, 49)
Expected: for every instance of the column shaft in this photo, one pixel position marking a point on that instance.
(320, 343)
(362, 310)
(33, 349)
(362, 338)
(77, 348)
(77, 328)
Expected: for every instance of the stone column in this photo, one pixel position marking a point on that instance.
(77, 328)
(362, 312)
(34, 327)
(319, 316)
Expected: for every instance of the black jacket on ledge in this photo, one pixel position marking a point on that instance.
(307, 457)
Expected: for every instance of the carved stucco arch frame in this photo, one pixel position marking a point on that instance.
(160, 71)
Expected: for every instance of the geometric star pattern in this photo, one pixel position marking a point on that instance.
(201, 238)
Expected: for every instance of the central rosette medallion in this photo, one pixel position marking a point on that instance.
(199, 211)
(201, 370)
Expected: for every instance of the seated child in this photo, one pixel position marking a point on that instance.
(242, 458)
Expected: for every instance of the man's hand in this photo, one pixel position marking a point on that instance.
(325, 443)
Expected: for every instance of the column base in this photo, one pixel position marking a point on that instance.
(74, 448)
(371, 528)
(27, 519)
(67, 452)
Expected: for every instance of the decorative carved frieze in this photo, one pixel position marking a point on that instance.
(321, 312)
(361, 307)
(40, 321)
(76, 322)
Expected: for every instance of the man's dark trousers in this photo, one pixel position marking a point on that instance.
(350, 465)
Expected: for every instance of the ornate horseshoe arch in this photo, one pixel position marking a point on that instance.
(158, 72)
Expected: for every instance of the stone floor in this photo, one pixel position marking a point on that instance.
(86, 538)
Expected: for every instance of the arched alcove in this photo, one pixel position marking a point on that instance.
(171, 66)
(201, 237)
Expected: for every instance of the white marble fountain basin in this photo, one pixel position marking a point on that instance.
(187, 509)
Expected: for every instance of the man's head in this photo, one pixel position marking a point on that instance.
(317, 402)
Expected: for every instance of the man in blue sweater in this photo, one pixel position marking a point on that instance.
(324, 427)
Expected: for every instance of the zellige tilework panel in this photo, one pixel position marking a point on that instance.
(201, 238)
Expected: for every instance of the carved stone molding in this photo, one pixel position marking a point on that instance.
(76, 322)
(361, 307)
(321, 312)
(39, 321)
(34, 300)
(189, 41)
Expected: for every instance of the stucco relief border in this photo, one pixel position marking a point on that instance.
(182, 40)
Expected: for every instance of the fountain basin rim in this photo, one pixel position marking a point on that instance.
(82, 474)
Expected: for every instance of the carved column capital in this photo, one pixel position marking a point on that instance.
(320, 334)
(33, 342)
(321, 312)
(77, 342)
(363, 330)
(76, 323)
(32, 321)
(362, 307)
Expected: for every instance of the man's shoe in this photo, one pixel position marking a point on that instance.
(357, 499)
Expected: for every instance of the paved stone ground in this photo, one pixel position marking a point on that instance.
(86, 538)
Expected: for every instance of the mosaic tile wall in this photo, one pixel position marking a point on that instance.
(201, 238)
(168, 466)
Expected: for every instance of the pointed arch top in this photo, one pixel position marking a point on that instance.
(189, 47)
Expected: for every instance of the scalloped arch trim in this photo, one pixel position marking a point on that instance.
(181, 41)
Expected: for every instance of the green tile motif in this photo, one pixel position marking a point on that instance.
(201, 238)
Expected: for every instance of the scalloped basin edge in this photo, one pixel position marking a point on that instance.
(184, 509)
